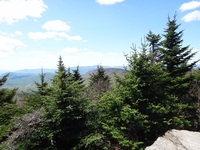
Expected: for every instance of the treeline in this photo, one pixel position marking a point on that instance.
(158, 92)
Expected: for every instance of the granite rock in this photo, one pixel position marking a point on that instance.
(177, 140)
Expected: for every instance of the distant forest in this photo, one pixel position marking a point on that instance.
(158, 91)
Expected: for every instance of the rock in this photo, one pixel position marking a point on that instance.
(177, 140)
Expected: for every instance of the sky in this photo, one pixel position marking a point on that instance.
(34, 33)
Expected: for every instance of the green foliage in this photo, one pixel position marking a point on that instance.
(175, 59)
(154, 43)
(64, 110)
(3, 79)
(100, 75)
(8, 109)
(42, 85)
(77, 76)
(99, 83)
(35, 100)
(174, 56)
(144, 104)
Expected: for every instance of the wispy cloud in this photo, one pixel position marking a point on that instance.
(189, 5)
(8, 45)
(108, 2)
(14, 10)
(19, 33)
(191, 16)
(55, 29)
(56, 25)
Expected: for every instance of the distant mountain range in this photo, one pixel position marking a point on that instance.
(24, 79)
(82, 69)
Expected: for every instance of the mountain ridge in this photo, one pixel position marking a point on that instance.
(24, 79)
(83, 69)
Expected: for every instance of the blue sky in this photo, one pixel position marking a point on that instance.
(34, 33)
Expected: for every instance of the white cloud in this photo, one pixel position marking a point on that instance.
(55, 29)
(108, 2)
(52, 35)
(14, 10)
(42, 35)
(195, 15)
(189, 5)
(56, 25)
(8, 45)
(18, 33)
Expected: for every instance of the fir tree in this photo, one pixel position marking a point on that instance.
(77, 76)
(174, 56)
(61, 75)
(43, 84)
(154, 43)
(99, 83)
(6, 95)
(8, 109)
(64, 110)
(35, 100)
(3, 79)
(141, 107)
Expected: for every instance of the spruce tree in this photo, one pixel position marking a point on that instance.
(141, 107)
(174, 55)
(175, 58)
(61, 74)
(42, 84)
(99, 83)
(3, 79)
(77, 75)
(8, 109)
(64, 110)
(35, 100)
(154, 43)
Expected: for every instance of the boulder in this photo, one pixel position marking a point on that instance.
(177, 140)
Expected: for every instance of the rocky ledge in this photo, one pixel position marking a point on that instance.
(177, 140)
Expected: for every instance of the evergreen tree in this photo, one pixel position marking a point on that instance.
(174, 56)
(64, 110)
(3, 79)
(154, 43)
(99, 83)
(77, 76)
(6, 95)
(61, 75)
(43, 84)
(35, 100)
(175, 59)
(8, 109)
(141, 106)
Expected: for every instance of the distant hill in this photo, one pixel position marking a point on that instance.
(24, 79)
